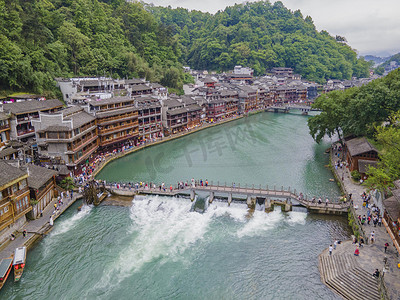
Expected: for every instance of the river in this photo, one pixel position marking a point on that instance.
(159, 249)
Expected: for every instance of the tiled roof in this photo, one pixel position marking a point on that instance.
(9, 173)
(110, 101)
(32, 106)
(364, 164)
(38, 176)
(80, 119)
(115, 112)
(359, 145)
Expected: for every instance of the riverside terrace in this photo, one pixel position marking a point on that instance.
(248, 194)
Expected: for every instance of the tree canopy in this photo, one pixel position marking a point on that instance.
(43, 39)
(357, 111)
(260, 35)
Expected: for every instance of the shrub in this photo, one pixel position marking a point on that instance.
(356, 175)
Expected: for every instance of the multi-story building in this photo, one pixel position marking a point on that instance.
(117, 127)
(42, 186)
(149, 115)
(69, 136)
(110, 104)
(216, 109)
(248, 98)
(23, 113)
(4, 129)
(175, 117)
(117, 121)
(14, 199)
(231, 107)
(282, 72)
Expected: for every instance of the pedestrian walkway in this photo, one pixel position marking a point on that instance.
(36, 228)
(372, 254)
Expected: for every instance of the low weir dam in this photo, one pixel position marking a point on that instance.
(161, 248)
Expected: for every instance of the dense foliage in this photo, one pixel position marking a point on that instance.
(261, 35)
(357, 111)
(43, 39)
(388, 169)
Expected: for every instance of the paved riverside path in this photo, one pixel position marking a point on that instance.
(371, 255)
(40, 225)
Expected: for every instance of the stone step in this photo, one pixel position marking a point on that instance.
(329, 268)
(358, 284)
(340, 286)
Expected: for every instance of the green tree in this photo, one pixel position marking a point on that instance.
(332, 118)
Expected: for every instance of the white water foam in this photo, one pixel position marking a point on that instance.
(296, 217)
(164, 228)
(260, 222)
(68, 224)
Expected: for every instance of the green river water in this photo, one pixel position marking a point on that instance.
(159, 249)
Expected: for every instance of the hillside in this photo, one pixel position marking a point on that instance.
(260, 35)
(381, 68)
(43, 39)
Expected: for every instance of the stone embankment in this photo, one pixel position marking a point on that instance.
(350, 275)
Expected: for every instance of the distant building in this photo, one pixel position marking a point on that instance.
(239, 70)
(282, 72)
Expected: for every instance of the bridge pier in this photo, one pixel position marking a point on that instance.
(211, 198)
(268, 205)
(251, 202)
(192, 195)
(229, 199)
(288, 206)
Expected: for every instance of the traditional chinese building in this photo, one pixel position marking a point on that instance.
(69, 136)
(42, 186)
(23, 113)
(14, 199)
(359, 150)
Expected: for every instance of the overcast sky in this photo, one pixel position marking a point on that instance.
(370, 26)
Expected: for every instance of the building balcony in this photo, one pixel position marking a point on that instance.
(27, 132)
(4, 127)
(82, 144)
(103, 132)
(108, 121)
(85, 155)
(119, 139)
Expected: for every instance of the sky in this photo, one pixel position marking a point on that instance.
(370, 26)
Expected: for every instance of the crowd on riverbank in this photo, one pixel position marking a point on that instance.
(373, 250)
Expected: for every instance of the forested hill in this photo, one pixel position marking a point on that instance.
(261, 35)
(43, 39)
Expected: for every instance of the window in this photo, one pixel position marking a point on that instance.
(22, 184)
(15, 188)
(5, 209)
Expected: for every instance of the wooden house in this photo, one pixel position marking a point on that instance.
(359, 149)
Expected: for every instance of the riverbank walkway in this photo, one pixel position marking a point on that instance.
(37, 228)
(371, 255)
